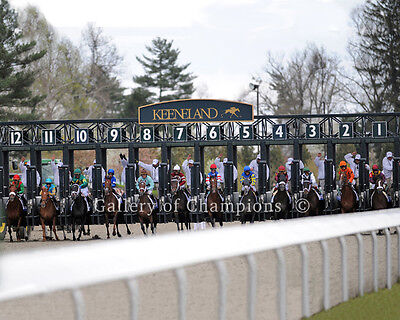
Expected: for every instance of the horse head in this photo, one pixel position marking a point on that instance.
(246, 185)
(44, 197)
(142, 187)
(13, 193)
(175, 184)
(282, 186)
(379, 185)
(306, 187)
(107, 186)
(213, 183)
(343, 180)
(75, 191)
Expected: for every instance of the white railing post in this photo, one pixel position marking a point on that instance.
(325, 271)
(375, 261)
(345, 288)
(304, 282)
(181, 276)
(281, 284)
(252, 286)
(388, 260)
(360, 264)
(222, 277)
(79, 303)
(398, 252)
(134, 298)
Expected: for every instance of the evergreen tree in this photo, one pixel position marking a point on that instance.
(377, 53)
(163, 76)
(138, 97)
(15, 74)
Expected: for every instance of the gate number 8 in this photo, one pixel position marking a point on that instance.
(147, 136)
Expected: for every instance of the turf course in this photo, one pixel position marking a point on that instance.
(384, 304)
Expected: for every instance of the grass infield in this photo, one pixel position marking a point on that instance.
(384, 304)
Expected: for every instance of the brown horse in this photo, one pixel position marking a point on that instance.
(111, 207)
(214, 202)
(348, 200)
(315, 207)
(14, 212)
(47, 213)
(146, 212)
(180, 205)
(378, 198)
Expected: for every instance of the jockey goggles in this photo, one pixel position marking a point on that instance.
(343, 167)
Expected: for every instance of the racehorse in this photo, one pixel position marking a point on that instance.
(249, 199)
(348, 199)
(315, 207)
(146, 211)
(180, 205)
(14, 212)
(214, 202)
(378, 198)
(48, 213)
(79, 212)
(282, 205)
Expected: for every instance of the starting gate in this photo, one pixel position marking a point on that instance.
(262, 132)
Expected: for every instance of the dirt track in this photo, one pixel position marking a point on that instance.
(158, 294)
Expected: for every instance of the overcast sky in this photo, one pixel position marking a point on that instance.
(224, 40)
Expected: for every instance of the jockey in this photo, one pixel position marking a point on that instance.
(376, 174)
(149, 185)
(20, 189)
(281, 175)
(110, 175)
(347, 171)
(308, 176)
(51, 188)
(176, 173)
(81, 181)
(248, 174)
(213, 173)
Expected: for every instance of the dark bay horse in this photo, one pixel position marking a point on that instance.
(79, 212)
(179, 205)
(214, 203)
(15, 213)
(47, 213)
(282, 203)
(111, 207)
(146, 212)
(378, 198)
(315, 207)
(248, 201)
(348, 199)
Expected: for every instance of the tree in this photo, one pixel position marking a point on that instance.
(16, 57)
(166, 79)
(375, 54)
(306, 83)
(138, 97)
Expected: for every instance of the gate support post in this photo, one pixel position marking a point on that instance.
(262, 178)
(229, 183)
(68, 157)
(63, 173)
(4, 162)
(97, 188)
(163, 185)
(195, 210)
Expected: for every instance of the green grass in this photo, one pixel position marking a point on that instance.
(384, 304)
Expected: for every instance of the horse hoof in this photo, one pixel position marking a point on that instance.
(108, 237)
(114, 233)
(119, 235)
(44, 240)
(129, 232)
(26, 239)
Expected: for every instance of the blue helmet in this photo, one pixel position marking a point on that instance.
(246, 168)
(110, 171)
(48, 180)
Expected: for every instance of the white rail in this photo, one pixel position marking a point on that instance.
(128, 259)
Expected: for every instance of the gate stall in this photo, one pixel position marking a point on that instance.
(224, 129)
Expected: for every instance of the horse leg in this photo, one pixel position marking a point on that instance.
(152, 225)
(114, 225)
(126, 225)
(116, 221)
(43, 228)
(63, 230)
(54, 228)
(82, 228)
(177, 221)
(107, 225)
(142, 227)
(9, 229)
(73, 230)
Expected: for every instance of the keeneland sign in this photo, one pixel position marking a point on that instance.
(191, 110)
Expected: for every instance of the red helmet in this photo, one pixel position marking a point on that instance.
(213, 166)
(375, 167)
(281, 168)
(16, 177)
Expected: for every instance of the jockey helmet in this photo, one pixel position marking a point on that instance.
(110, 171)
(281, 168)
(177, 168)
(155, 162)
(389, 154)
(306, 169)
(213, 166)
(375, 167)
(26, 163)
(16, 177)
(343, 164)
(246, 168)
(77, 171)
(48, 180)
(143, 172)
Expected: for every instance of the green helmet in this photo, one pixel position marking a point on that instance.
(77, 171)
(306, 169)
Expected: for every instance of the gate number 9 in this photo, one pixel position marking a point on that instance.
(114, 135)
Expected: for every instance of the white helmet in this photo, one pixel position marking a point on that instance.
(178, 168)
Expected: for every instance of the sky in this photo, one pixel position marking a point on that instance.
(226, 41)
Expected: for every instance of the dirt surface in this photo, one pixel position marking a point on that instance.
(158, 292)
